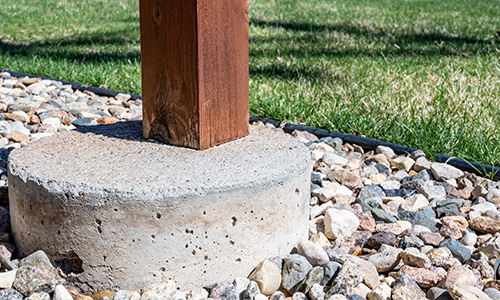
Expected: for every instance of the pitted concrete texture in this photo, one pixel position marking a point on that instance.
(118, 211)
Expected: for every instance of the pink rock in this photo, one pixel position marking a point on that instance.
(425, 278)
(431, 238)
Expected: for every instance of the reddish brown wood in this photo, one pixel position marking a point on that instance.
(194, 71)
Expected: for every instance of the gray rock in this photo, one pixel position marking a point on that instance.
(409, 241)
(331, 270)
(418, 218)
(494, 294)
(435, 293)
(370, 191)
(369, 203)
(316, 255)
(33, 278)
(277, 296)
(381, 215)
(382, 169)
(224, 291)
(314, 276)
(295, 270)
(386, 260)
(433, 192)
(458, 250)
(250, 291)
(10, 294)
(348, 278)
(448, 210)
(38, 257)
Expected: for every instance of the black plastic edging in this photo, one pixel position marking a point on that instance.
(75, 86)
(366, 143)
(371, 144)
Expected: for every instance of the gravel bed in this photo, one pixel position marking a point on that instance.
(382, 226)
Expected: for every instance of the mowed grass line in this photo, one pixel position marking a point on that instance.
(424, 74)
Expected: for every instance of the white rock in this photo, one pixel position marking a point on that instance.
(52, 121)
(421, 164)
(127, 295)
(337, 297)
(323, 194)
(493, 196)
(315, 254)
(390, 185)
(340, 223)
(446, 171)
(316, 155)
(381, 292)
(7, 279)
(241, 284)
(386, 151)
(343, 191)
(260, 297)
(386, 259)
(465, 292)
(197, 294)
(403, 163)
(61, 293)
(332, 159)
(483, 207)
(417, 201)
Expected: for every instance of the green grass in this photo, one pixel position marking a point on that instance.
(420, 73)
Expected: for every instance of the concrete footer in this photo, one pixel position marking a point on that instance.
(116, 211)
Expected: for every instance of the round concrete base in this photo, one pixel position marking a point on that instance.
(118, 211)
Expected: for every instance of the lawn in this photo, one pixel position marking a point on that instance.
(419, 73)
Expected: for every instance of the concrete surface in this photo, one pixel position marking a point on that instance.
(118, 211)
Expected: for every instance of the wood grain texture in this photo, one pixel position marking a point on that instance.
(194, 71)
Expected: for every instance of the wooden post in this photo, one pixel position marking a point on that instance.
(194, 71)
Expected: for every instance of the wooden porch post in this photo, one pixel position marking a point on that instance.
(194, 71)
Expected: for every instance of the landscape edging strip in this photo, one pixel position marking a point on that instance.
(366, 143)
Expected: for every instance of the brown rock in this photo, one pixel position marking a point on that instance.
(348, 179)
(14, 117)
(101, 295)
(67, 119)
(425, 278)
(358, 149)
(459, 220)
(418, 260)
(29, 81)
(451, 230)
(485, 225)
(495, 284)
(73, 292)
(441, 257)
(34, 119)
(394, 228)
(83, 297)
(19, 137)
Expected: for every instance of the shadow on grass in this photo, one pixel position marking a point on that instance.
(315, 41)
(89, 47)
